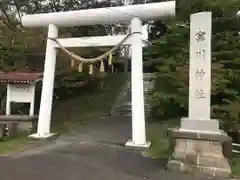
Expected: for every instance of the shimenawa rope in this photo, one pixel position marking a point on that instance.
(91, 60)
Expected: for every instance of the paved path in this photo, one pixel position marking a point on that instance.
(94, 152)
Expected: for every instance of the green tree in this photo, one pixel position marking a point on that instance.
(33, 40)
(171, 92)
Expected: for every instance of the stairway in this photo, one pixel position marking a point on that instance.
(124, 107)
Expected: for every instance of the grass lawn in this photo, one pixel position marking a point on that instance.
(236, 165)
(89, 104)
(157, 135)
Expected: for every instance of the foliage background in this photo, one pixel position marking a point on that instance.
(170, 96)
(167, 52)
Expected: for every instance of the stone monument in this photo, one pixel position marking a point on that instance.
(199, 145)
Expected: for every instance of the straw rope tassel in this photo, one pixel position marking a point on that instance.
(80, 67)
(91, 69)
(72, 62)
(110, 59)
(102, 68)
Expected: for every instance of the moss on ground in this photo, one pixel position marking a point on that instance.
(157, 135)
(235, 165)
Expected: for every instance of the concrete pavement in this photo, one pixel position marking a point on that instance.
(93, 152)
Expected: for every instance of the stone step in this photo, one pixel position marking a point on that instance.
(130, 106)
(124, 113)
(130, 110)
(145, 89)
(129, 114)
(124, 108)
(146, 105)
(122, 99)
(128, 103)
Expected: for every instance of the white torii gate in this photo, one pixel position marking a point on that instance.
(134, 14)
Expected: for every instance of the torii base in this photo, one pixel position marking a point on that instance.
(46, 136)
(131, 145)
(202, 153)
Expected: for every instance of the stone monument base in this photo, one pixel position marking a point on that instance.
(203, 153)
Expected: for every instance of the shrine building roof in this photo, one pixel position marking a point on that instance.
(20, 77)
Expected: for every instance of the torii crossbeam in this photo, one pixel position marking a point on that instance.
(132, 13)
